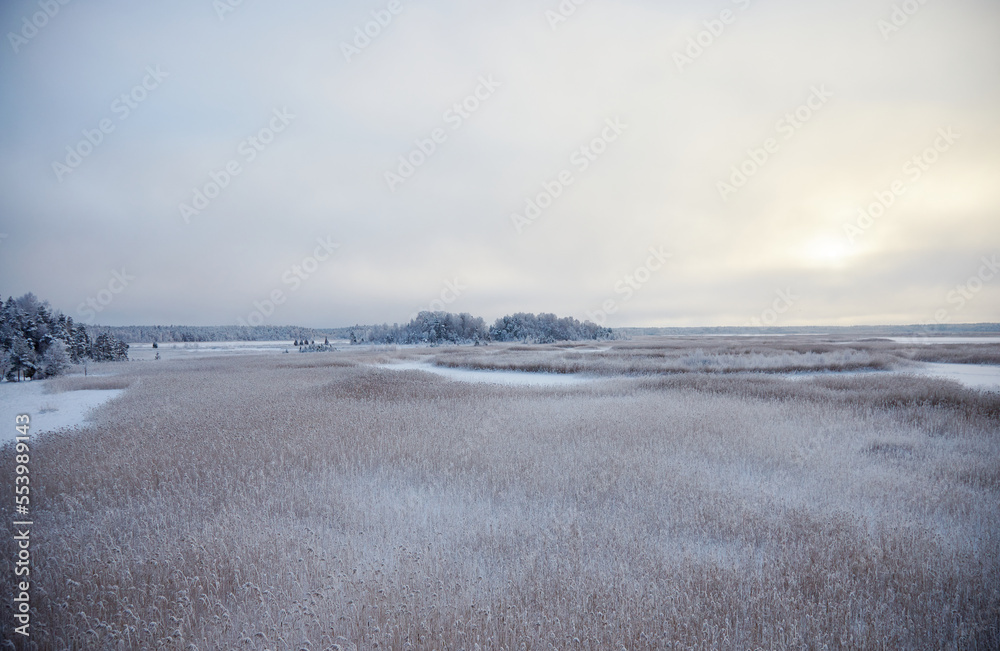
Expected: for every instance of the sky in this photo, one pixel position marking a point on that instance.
(628, 162)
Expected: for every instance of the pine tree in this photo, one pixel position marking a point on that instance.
(80, 345)
(107, 348)
(55, 361)
(23, 360)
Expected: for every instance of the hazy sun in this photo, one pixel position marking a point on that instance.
(826, 252)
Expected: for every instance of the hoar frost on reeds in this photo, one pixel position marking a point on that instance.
(290, 502)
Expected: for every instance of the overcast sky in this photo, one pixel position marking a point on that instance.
(627, 123)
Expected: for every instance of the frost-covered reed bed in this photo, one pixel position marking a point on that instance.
(669, 357)
(304, 502)
(660, 355)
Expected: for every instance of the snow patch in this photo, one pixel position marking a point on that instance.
(48, 411)
(515, 378)
(944, 340)
(985, 377)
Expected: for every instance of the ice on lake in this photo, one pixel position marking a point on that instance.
(977, 376)
(516, 378)
(48, 411)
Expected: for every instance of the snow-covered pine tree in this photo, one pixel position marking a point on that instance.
(55, 360)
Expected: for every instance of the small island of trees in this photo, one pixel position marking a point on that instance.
(437, 328)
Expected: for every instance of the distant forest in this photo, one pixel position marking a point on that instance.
(444, 327)
(184, 334)
(29, 326)
(426, 328)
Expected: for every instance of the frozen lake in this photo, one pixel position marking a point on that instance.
(48, 411)
(179, 350)
(515, 378)
(977, 376)
(984, 377)
(944, 340)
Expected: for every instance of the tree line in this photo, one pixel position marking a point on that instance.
(190, 334)
(39, 342)
(426, 328)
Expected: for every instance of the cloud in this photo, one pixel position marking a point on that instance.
(656, 185)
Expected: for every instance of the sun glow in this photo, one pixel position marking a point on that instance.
(827, 252)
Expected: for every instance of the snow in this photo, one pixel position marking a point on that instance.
(984, 377)
(142, 352)
(48, 411)
(515, 378)
(944, 340)
(977, 376)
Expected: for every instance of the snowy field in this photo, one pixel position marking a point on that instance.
(556, 365)
(975, 376)
(944, 340)
(978, 376)
(984, 377)
(646, 492)
(177, 350)
(52, 411)
(48, 411)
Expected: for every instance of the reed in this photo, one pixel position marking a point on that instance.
(316, 502)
